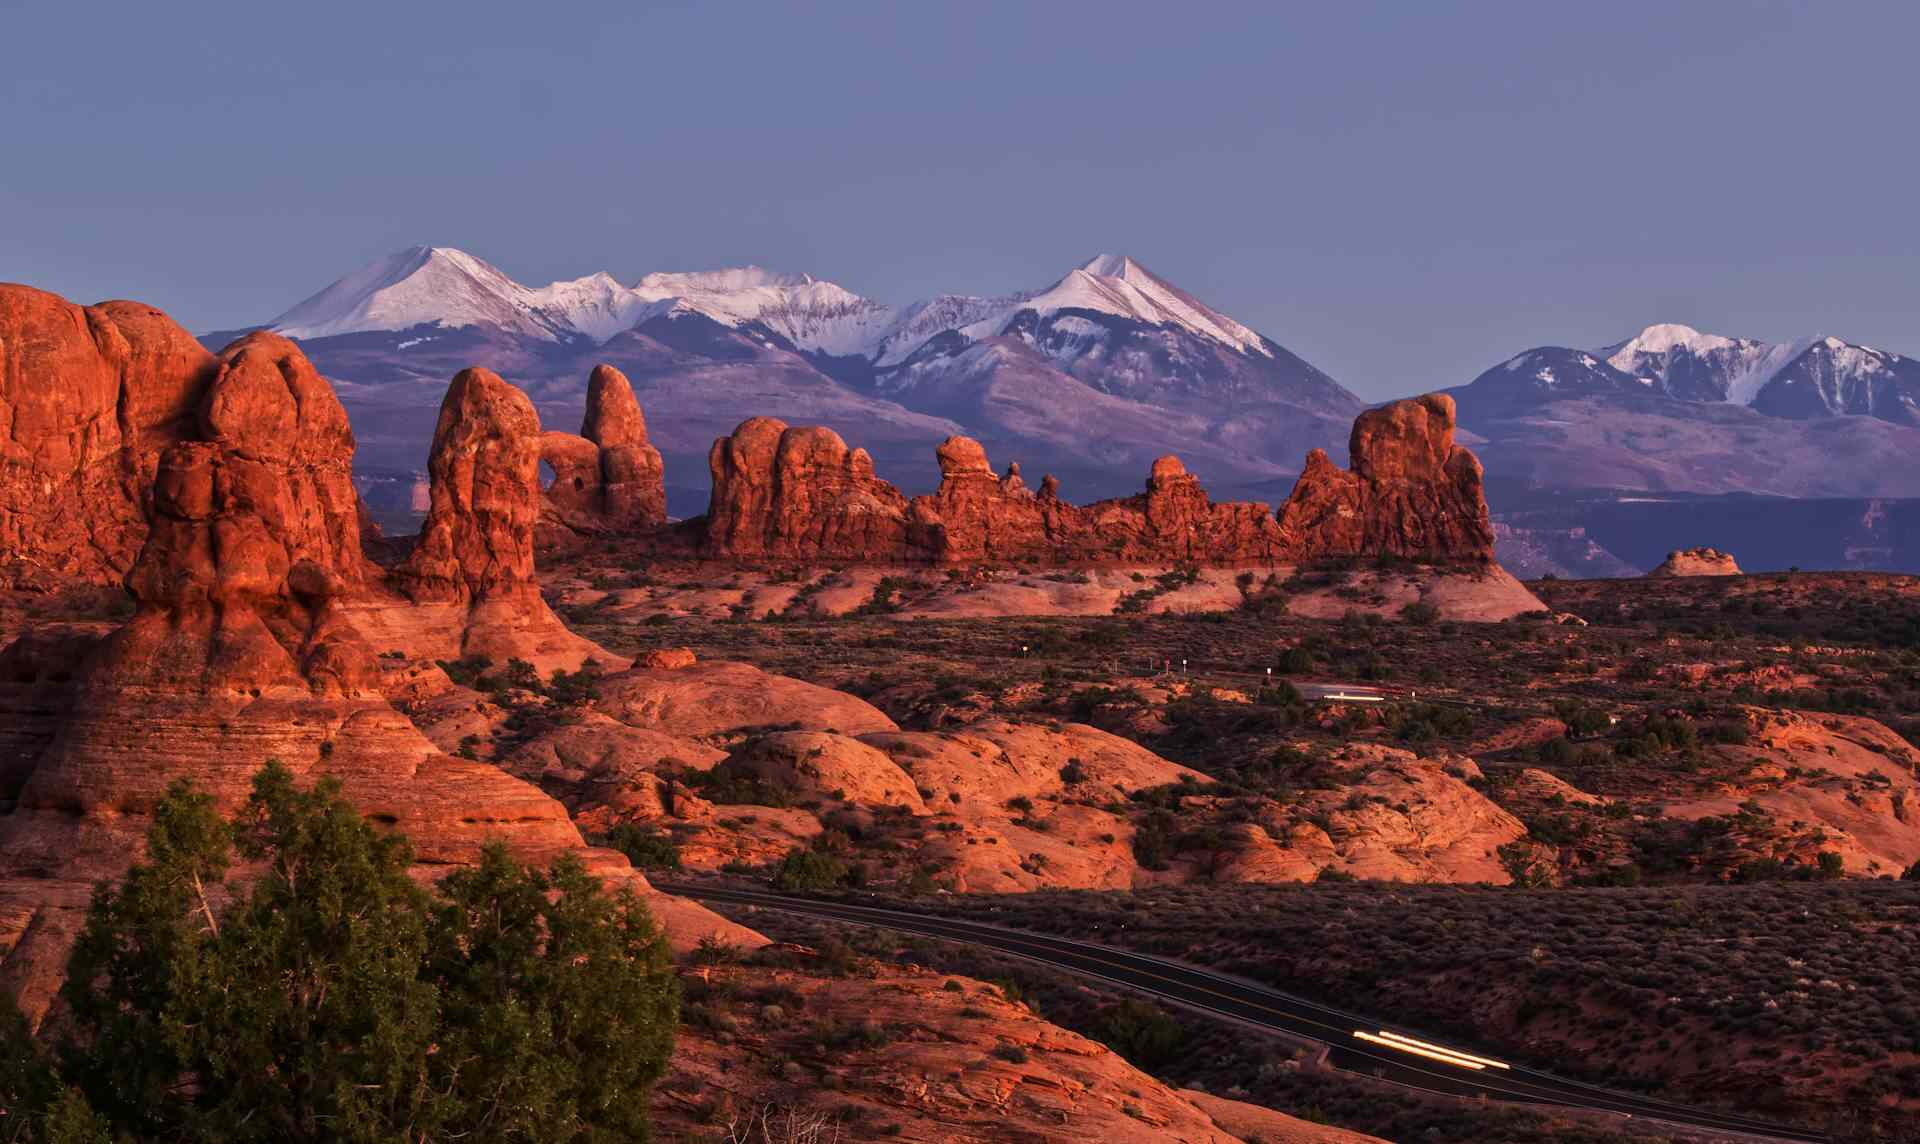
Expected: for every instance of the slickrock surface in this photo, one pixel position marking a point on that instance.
(1841, 783)
(1396, 817)
(720, 698)
(1253, 1122)
(931, 1073)
(1697, 562)
(89, 397)
(788, 493)
(610, 478)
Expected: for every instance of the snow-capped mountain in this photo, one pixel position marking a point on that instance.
(1803, 379)
(1682, 362)
(815, 316)
(1675, 409)
(440, 286)
(1093, 374)
(1554, 373)
(431, 285)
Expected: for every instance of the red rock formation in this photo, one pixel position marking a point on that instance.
(800, 494)
(477, 540)
(610, 478)
(470, 574)
(1411, 492)
(247, 644)
(88, 399)
(632, 477)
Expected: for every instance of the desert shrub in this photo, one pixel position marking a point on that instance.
(809, 871)
(1140, 1032)
(1295, 661)
(647, 847)
(1153, 840)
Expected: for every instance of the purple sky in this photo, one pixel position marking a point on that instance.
(1402, 193)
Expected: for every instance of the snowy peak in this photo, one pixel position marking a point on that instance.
(1117, 285)
(1680, 361)
(1663, 339)
(442, 286)
(437, 285)
(814, 315)
(419, 285)
(1803, 379)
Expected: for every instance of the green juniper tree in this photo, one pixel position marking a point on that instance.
(335, 999)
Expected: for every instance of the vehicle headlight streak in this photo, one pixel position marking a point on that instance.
(1430, 1051)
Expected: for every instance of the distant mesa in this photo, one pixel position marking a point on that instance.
(1697, 562)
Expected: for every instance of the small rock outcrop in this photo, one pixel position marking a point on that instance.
(89, 398)
(610, 478)
(1697, 562)
(800, 494)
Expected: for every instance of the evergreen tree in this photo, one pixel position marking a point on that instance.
(334, 999)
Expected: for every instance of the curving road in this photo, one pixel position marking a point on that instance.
(1247, 1002)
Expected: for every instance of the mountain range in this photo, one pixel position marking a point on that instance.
(1089, 377)
(1673, 409)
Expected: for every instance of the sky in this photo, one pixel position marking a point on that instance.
(1404, 194)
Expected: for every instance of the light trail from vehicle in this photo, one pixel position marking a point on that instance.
(1402, 1038)
(1440, 1055)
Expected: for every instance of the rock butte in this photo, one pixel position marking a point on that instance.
(799, 493)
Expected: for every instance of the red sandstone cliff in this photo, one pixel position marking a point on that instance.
(89, 396)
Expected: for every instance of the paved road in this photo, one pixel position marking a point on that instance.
(1241, 1000)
